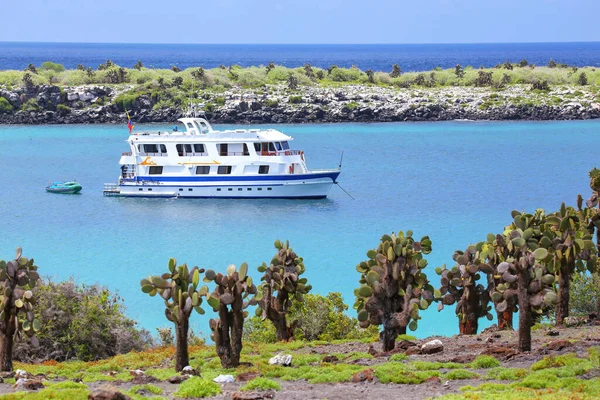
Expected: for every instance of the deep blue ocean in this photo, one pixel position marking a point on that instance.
(378, 57)
(453, 181)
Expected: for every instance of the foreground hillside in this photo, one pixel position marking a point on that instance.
(563, 364)
(276, 94)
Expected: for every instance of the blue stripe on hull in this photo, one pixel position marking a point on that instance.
(228, 178)
(228, 197)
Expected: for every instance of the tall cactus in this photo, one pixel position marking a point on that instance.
(459, 285)
(180, 292)
(593, 209)
(282, 284)
(17, 278)
(495, 251)
(393, 286)
(571, 248)
(527, 240)
(228, 299)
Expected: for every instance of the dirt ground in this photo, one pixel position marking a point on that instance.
(460, 349)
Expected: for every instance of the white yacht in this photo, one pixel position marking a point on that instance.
(200, 162)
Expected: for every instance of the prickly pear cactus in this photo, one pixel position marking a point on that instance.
(229, 299)
(181, 294)
(281, 285)
(394, 286)
(526, 266)
(462, 284)
(572, 250)
(493, 252)
(17, 278)
(595, 180)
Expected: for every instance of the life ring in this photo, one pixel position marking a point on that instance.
(291, 169)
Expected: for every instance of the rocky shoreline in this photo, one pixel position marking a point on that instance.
(46, 104)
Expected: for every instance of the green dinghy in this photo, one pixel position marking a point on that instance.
(64, 187)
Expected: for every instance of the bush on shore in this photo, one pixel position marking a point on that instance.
(82, 322)
(319, 318)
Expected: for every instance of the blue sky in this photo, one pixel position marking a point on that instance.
(304, 21)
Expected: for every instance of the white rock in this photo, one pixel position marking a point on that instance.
(20, 374)
(85, 96)
(224, 379)
(72, 96)
(433, 346)
(281, 359)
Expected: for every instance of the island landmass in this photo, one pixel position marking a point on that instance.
(50, 94)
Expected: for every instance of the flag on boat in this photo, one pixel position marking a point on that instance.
(129, 123)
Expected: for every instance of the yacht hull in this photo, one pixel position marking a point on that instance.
(305, 186)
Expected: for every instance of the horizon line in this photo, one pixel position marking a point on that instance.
(297, 44)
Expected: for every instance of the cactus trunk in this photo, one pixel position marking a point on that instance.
(182, 358)
(505, 319)
(237, 329)
(468, 327)
(562, 307)
(524, 312)
(6, 343)
(469, 324)
(389, 334)
(223, 342)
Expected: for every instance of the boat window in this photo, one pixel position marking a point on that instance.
(198, 148)
(150, 148)
(245, 152)
(202, 170)
(285, 145)
(190, 126)
(156, 170)
(263, 169)
(188, 148)
(179, 149)
(224, 170)
(278, 145)
(257, 147)
(222, 149)
(163, 148)
(271, 147)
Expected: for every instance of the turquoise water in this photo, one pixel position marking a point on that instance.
(453, 181)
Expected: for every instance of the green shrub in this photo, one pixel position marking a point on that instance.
(271, 103)
(295, 99)
(485, 362)
(5, 106)
(198, 387)
(261, 384)
(345, 75)
(220, 101)
(126, 101)
(324, 318)
(258, 331)
(31, 105)
(80, 321)
(585, 293)
(351, 106)
(50, 66)
(62, 109)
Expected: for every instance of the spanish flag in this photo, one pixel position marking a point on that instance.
(129, 123)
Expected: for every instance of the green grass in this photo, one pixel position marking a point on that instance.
(198, 387)
(460, 374)
(482, 362)
(261, 384)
